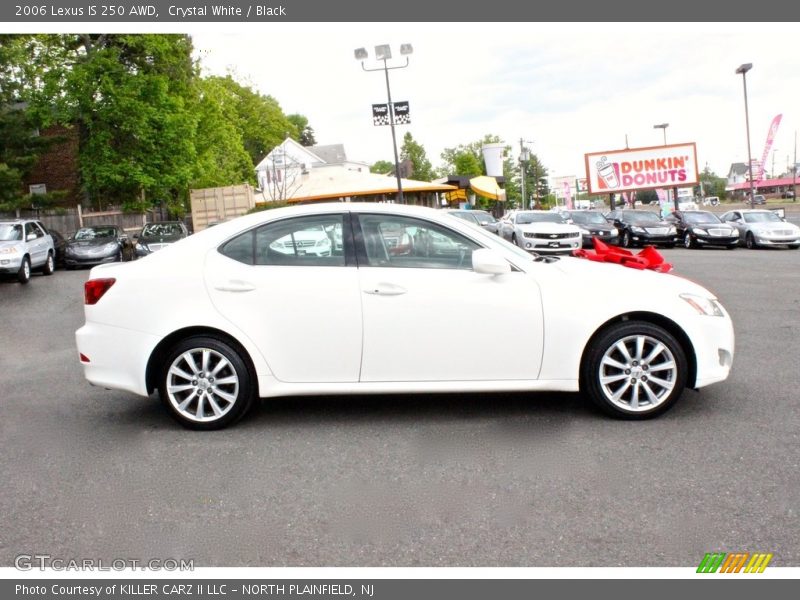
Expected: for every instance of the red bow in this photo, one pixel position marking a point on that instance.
(648, 258)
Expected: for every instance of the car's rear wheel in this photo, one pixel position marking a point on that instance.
(206, 383)
(24, 273)
(634, 370)
(49, 265)
(750, 241)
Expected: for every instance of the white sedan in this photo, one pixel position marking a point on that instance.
(226, 316)
(541, 231)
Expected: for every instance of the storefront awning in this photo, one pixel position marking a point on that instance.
(488, 188)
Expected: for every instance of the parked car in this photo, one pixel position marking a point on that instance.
(711, 201)
(759, 199)
(478, 217)
(702, 228)
(758, 228)
(541, 231)
(592, 225)
(155, 236)
(222, 318)
(25, 246)
(639, 227)
(788, 194)
(94, 245)
(59, 246)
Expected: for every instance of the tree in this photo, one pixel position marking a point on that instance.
(383, 167)
(713, 185)
(130, 98)
(303, 132)
(221, 155)
(422, 170)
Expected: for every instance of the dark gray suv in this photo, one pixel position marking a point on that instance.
(25, 245)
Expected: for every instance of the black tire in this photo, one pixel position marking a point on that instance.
(49, 265)
(514, 239)
(688, 242)
(24, 273)
(750, 241)
(605, 342)
(627, 241)
(203, 390)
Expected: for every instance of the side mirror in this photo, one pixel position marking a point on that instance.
(489, 262)
(31, 237)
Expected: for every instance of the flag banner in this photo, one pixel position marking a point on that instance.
(380, 114)
(402, 114)
(567, 195)
(773, 129)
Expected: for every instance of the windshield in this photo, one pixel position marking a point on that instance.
(533, 217)
(484, 217)
(641, 218)
(588, 218)
(697, 218)
(159, 229)
(762, 217)
(91, 233)
(10, 232)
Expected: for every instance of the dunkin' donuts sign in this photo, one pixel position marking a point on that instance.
(642, 168)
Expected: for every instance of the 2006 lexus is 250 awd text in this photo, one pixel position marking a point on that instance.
(351, 298)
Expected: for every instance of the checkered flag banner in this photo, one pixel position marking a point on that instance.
(402, 115)
(380, 114)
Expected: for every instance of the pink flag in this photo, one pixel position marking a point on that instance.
(773, 129)
(567, 195)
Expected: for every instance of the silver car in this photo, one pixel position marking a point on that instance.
(25, 245)
(760, 228)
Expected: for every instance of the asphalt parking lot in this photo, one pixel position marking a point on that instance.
(434, 480)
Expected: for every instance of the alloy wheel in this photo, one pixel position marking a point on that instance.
(202, 385)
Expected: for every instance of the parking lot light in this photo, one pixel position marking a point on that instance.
(743, 69)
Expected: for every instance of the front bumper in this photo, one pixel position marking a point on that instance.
(776, 240)
(605, 237)
(546, 244)
(10, 264)
(715, 240)
(87, 261)
(645, 238)
(713, 341)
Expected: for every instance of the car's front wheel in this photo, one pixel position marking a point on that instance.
(634, 370)
(687, 241)
(750, 241)
(206, 383)
(24, 273)
(627, 240)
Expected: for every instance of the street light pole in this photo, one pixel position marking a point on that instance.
(384, 53)
(743, 69)
(524, 155)
(663, 128)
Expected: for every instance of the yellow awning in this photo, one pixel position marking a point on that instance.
(488, 188)
(456, 196)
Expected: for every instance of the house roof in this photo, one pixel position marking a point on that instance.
(738, 169)
(330, 153)
(344, 184)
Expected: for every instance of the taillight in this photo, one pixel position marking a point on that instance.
(94, 289)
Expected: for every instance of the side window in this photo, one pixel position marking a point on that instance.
(31, 228)
(305, 241)
(240, 248)
(394, 241)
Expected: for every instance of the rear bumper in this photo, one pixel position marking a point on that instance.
(117, 357)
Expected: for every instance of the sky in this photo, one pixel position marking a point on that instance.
(566, 88)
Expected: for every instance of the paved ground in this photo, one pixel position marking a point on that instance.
(478, 480)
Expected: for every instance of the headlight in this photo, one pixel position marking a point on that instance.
(614, 232)
(672, 229)
(635, 229)
(700, 230)
(584, 230)
(111, 246)
(8, 250)
(323, 242)
(760, 231)
(704, 306)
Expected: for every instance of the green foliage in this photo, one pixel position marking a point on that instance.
(383, 167)
(713, 185)
(268, 206)
(303, 132)
(415, 152)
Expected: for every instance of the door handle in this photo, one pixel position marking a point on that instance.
(235, 285)
(386, 289)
